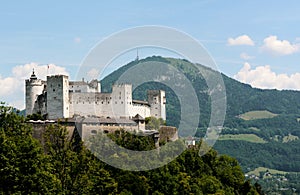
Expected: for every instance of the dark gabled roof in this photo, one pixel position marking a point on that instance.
(138, 118)
(77, 83)
(140, 102)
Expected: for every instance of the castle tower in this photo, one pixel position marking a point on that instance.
(121, 100)
(34, 87)
(157, 101)
(58, 96)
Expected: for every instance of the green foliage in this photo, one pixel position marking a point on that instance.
(23, 168)
(132, 141)
(154, 123)
(75, 169)
(35, 117)
(252, 155)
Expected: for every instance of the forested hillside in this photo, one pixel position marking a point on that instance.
(270, 141)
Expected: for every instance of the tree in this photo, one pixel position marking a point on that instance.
(23, 167)
(76, 169)
(154, 123)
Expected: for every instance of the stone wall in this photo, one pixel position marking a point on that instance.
(168, 133)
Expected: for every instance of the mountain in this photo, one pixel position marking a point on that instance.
(238, 134)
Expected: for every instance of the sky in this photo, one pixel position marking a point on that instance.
(255, 42)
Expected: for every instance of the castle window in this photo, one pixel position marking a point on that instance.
(122, 102)
(108, 102)
(58, 85)
(54, 98)
(119, 97)
(93, 132)
(53, 89)
(105, 131)
(116, 102)
(101, 102)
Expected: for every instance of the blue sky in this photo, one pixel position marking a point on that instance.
(264, 50)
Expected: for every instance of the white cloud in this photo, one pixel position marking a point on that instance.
(13, 87)
(8, 85)
(240, 40)
(263, 77)
(24, 71)
(93, 73)
(279, 47)
(245, 56)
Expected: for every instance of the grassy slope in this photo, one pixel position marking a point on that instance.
(264, 169)
(243, 137)
(259, 114)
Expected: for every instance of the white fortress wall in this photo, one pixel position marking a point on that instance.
(83, 104)
(97, 104)
(141, 109)
(84, 87)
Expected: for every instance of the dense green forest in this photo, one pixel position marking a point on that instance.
(277, 151)
(64, 166)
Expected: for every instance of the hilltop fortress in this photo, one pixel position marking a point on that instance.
(85, 108)
(58, 98)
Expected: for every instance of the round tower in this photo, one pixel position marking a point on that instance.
(34, 87)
